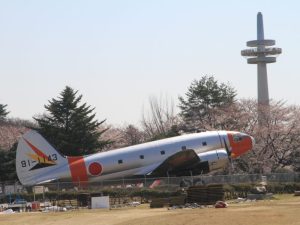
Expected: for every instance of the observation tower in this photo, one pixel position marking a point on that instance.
(261, 53)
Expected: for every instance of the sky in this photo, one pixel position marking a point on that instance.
(119, 53)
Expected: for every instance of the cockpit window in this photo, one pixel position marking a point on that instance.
(237, 137)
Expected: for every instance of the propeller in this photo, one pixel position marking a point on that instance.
(228, 154)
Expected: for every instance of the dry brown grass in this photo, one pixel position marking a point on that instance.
(286, 210)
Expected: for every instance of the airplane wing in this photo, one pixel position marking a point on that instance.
(46, 181)
(180, 163)
(147, 170)
(187, 162)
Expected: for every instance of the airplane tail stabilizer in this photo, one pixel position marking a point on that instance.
(37, 160)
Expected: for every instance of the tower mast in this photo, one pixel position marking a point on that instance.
(261, 53)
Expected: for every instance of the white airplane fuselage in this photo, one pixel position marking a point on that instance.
(207, 150)
(154, 153)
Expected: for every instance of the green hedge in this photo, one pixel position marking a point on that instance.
(282, 188)
(231, 192)
(114, 193)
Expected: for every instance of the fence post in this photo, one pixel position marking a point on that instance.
(168, 180)
(57, 185)
(1, 189)
(33, 189)
(192, 178)
(44, 194)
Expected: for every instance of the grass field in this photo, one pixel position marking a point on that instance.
(284, 210)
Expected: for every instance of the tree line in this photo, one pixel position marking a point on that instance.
(71, 126)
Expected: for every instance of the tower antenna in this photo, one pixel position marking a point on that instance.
(261, 53)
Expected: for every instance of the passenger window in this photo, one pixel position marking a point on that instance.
(141, 156)
(162, 152)
(120, 161)
(204, 143)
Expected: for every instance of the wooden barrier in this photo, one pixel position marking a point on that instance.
(205, 195)
(167, 202)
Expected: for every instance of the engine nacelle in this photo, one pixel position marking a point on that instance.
(216, 159)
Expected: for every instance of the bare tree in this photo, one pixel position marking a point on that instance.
(123, 136)
(10, 132)
(277, 138)
(132, 135)
(114, 134)
(161, 120)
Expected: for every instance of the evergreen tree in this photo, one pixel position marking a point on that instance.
(3, 112)
(8, 164)
(71, 127)
(205, 98)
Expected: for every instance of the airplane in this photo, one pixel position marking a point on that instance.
(37, 162)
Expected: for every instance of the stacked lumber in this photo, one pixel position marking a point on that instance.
(205, 195)
(84, 199)
(167, 202)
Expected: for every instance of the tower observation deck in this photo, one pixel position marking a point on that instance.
(261, 53)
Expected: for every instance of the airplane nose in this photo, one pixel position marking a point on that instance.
(240, 143)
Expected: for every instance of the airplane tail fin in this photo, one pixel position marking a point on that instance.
(36, 159)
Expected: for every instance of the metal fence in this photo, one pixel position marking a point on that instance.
(159, 183)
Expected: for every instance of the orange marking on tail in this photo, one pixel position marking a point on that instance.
(38, 152)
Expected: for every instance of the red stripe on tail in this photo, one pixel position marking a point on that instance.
(78, 170)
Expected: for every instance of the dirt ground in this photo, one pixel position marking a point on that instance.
(284, 210)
